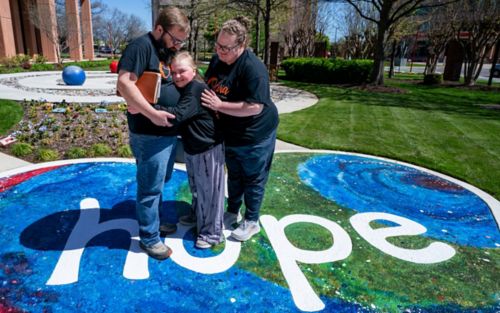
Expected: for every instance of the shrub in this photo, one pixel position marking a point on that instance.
(8, 62)
(90, 64)
(329, 71)
(47, 155)
(433, 79)
(124, 151)
(40, 59)
(42, 67)
(21, 149)
(100, 149)
(76, 153)
(19, 59)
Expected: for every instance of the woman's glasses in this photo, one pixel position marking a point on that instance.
(225, 49)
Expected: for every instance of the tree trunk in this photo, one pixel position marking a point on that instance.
(431, 64)
(393, 54)
(257, 32)
(480, 66)
(267, 21)
(494, 62)
(190, 41)
(195, 42)
(377, 75)
(469, 73)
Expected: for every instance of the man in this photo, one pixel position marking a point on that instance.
(152, 139)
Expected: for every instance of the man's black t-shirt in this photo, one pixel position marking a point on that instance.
(244, 80)
(198, 125)
(141, 55)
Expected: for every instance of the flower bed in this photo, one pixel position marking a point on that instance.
(70, 130)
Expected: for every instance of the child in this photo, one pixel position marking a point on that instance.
(203, 150)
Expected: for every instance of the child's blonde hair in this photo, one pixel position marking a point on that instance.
(184, 55)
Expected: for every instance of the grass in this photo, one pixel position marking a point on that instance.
(447, 129)
(101, 65)
(11, 113)
(420, 77)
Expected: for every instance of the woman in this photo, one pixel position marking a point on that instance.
(240, 94)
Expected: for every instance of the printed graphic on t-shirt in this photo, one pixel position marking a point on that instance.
(164, 70)
(221, 89)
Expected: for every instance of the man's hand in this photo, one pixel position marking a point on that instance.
(160, 118)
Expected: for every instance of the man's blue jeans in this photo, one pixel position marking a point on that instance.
(248, 169)
(155, 156)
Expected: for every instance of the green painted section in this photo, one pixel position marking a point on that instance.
(471, 279)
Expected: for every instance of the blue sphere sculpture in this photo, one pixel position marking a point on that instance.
(73, 75)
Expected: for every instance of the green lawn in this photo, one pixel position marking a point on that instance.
(11, 113)
(446, 129)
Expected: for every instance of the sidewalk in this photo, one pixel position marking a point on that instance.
(300, 100)
(8, 162)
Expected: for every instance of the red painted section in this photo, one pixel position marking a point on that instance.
(5, 308)
(8, 182)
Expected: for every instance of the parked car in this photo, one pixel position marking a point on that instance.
(105, 50)
(496, 71)
(109, 50)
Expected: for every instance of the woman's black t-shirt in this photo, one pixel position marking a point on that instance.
(141, 55)
(197, 124)
(245, 80)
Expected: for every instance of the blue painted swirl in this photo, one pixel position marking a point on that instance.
(448, 211)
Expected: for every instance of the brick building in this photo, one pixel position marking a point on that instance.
(30, 27)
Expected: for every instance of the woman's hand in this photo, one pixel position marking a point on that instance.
(210, 100)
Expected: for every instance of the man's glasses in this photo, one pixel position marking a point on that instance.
(225, 49)
(176, 41)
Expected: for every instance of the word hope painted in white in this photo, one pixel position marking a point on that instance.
(136, 263)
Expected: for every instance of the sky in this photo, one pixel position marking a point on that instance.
(141, 8)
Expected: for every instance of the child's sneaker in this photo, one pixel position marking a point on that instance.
(202, 244)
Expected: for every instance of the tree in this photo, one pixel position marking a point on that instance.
(361, 33)
(388, 12)
(399, 33)
(299, 31)
(494, 62)
(439, 31)
(200, 13)
(116, 28)
(265, 7)
(246, 7)
(478, 32)
(324, 18)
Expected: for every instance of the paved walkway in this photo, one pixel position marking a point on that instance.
(291, 100)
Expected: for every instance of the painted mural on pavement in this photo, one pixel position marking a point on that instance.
(340, 233)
